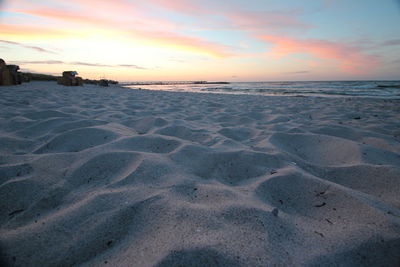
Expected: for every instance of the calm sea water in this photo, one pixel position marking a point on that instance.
(382, 89)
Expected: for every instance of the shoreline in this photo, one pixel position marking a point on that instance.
(93, 175)
(394, 98)
(373, 89)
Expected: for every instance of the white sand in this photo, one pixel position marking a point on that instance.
(119, 177)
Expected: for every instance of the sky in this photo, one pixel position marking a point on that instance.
(213, 40)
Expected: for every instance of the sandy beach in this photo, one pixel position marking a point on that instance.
(95, 176)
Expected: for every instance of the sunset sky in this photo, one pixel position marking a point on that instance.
(235, 40)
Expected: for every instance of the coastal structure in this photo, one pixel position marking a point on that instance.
(69, 78)
(9, 74)
(103, 82)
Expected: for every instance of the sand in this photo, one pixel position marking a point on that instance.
(111, 176)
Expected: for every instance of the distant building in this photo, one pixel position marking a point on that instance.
(9, 74)
(69, 73)
(69, 78)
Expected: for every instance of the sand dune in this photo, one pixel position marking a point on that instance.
(110, 176)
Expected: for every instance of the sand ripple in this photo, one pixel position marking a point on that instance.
(92, 176)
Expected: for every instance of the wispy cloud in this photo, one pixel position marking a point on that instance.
(395, 61)
(36, 48)
(184, 6)
(266, 20)
(297, 72)
(235, 15)
(349, 58)
(76, 63)
(88, 64)
(130, 66)
(105, 65)
(44, 62)
(330, 3)
(393, 42)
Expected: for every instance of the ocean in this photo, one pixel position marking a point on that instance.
(380, 89)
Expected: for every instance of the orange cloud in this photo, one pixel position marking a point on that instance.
(153, 36)
(25, 31)
(61, 15)
(194, 44)
(350, 58)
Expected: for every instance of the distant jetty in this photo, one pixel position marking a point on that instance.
(172, 83)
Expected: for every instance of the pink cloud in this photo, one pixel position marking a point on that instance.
(184, 6)
(349, 58)
(61, 15)
(152, 33)
(237, 17)
(265, 20)
(138, 19)
(95, 12)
